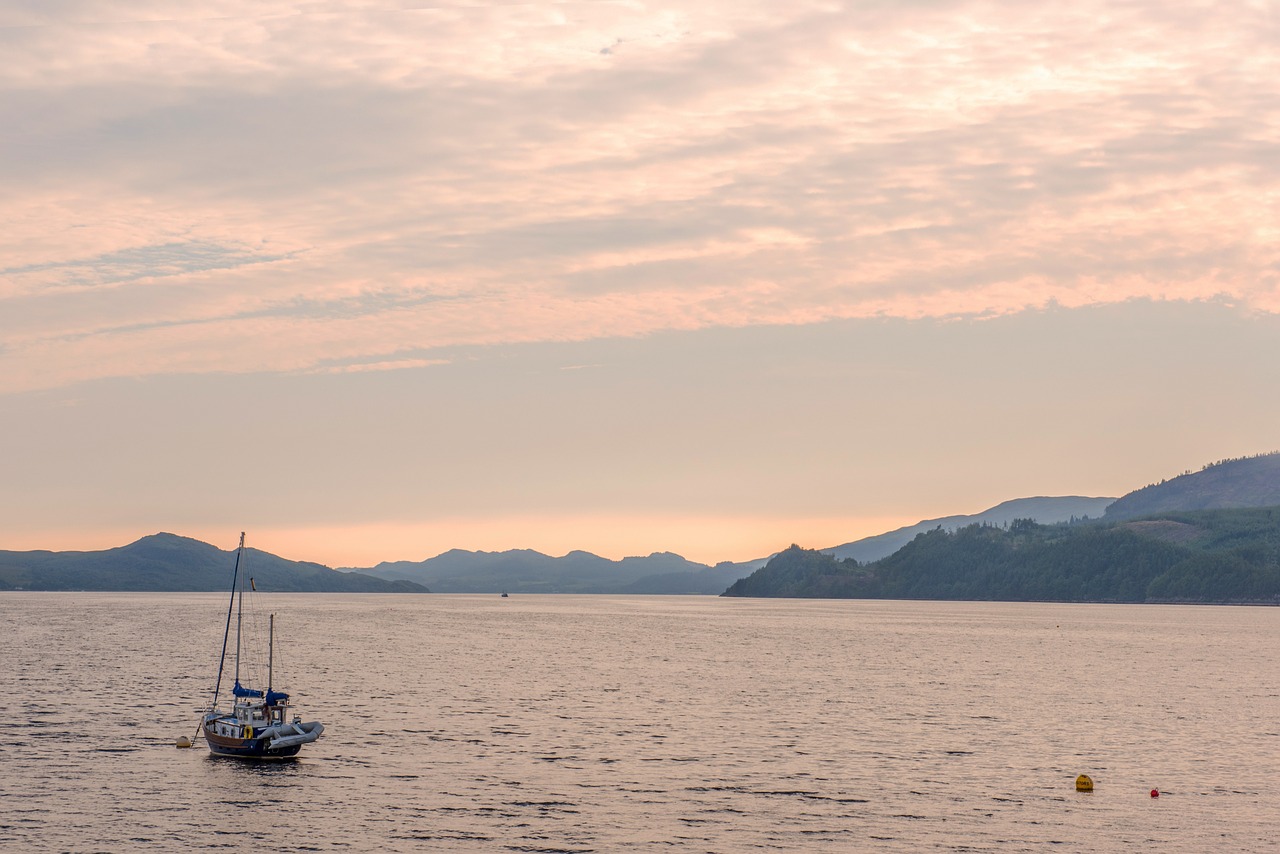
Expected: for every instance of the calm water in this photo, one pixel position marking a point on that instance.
(573, 724)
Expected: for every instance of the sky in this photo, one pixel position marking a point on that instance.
(374, 280)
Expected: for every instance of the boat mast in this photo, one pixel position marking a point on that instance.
(271, 649)
(239, 610)
(227, 630)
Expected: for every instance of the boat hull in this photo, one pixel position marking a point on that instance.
(247, 748)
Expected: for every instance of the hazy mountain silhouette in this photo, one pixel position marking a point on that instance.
(170, 562)
(1045, 510)
(1245, 482)
(1200, 556)
(167, 562)
(527, 571)
(1210, 536)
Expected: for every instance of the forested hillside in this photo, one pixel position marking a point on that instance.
(1043, 509)
(1245, 482)
(1206, 556)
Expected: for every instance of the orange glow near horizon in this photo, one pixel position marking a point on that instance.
(706, 539)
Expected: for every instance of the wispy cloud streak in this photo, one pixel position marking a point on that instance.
(240, 187)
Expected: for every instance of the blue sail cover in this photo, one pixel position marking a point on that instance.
(241, 691)
(274, 697)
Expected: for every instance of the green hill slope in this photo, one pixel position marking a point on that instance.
(1203, 557)
(1245, 482)
(1043, 509)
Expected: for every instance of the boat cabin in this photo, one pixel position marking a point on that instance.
(258, 712)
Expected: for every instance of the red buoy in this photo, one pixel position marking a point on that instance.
(1155, 793)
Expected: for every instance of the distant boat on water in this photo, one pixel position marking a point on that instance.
(258, 724)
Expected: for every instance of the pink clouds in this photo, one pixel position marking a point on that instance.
(299, 187)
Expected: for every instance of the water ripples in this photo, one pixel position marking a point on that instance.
(601, 724)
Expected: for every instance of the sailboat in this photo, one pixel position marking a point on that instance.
(258, 725)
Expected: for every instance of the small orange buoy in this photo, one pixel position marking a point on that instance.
(1084, 783)
(1155, 793)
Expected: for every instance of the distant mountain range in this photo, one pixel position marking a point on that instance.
(166, 562)
(1156, 544)
(525, 571)
(1044, 510)
(170, 562)
(1204, 556)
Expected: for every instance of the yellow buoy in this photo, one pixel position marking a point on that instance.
(1084, 783)
(183, 741)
